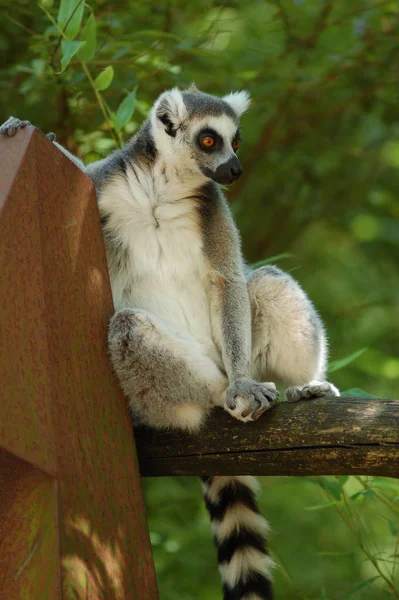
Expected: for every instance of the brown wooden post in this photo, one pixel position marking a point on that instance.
(72, 518)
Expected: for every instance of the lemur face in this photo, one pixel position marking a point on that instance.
(200, 133)
(214, 143)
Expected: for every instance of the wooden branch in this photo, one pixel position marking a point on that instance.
(341, 436)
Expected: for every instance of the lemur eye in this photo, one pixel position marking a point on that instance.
(236, 144)
(208, 141)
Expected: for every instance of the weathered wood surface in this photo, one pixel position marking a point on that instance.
(72, 518)
(341, 436)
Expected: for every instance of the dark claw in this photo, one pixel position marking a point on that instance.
(261, 410)
(251, 409)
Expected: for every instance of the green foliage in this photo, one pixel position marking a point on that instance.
(345, 546)
(319, 191)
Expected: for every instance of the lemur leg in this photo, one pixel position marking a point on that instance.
(288, 339)
(167, 377)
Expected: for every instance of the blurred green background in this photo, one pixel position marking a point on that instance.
(320, 191)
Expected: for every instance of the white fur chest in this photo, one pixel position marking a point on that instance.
(156, 221)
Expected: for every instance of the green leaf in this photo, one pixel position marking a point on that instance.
(69, 49)
(157, 33)
(386, 485)
(332, 487)
(360, 586)
(125, 110)
(70, 16)
(357, 392)
(320, 506)
(343, 362)
(271, 259)
(89, 35)
(365, 493)
(103, 80)
(342, 479)
(393, 528)
(335, 553)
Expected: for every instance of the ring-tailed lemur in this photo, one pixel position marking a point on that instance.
(194, 327)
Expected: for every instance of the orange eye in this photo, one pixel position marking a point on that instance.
(235, 144)
(208, 141)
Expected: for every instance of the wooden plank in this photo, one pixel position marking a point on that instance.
(337, 436)
(28, 538)
(103, 537)
(25, 415)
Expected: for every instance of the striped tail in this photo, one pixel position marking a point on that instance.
(239, 532)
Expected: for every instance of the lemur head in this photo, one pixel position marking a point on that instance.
(199, 133)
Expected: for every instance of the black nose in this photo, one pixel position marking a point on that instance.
(236, 171)
(228, 172)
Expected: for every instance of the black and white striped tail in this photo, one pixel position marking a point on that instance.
(239, 532)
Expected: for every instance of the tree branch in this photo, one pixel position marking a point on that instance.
(340, 436)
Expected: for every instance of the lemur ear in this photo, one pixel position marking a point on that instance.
(239, 101)
(193, 88)
(170, 110)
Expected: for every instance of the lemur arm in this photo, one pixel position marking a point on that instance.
(230, 297)
(235, 326)
(222, 246)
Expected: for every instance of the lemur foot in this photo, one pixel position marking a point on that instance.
(314, 389)
(247, 399)
(12, 125)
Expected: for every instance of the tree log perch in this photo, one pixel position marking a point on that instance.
(340, 436)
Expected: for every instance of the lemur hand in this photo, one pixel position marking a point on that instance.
(12, 125)
(247, 399)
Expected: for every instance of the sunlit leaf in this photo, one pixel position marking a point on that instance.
(360, 586)
(104, 79)
(69, 49)
(343, 362)
(70, 16)
(90, 37)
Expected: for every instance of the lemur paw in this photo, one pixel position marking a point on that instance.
(314, 389)
(247, 399)
(12, 125)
